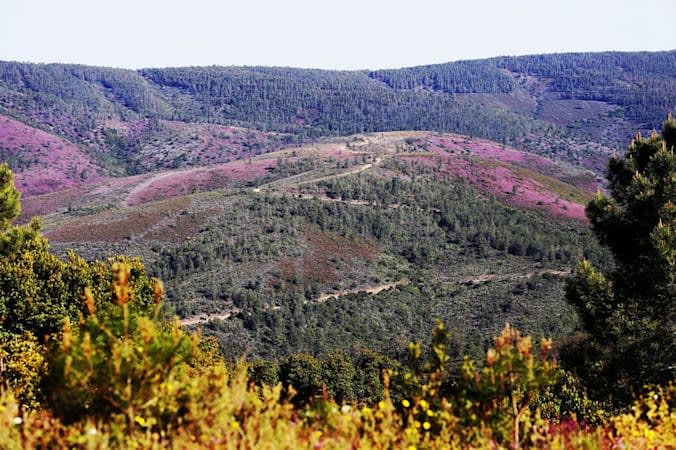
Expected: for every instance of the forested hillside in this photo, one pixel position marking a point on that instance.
(114, 369)
(638, 83)
(309, 248)
(576, 107)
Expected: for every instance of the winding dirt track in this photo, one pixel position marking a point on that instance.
(356, 170)
(145, 183)
(367, 289)
(512, 276)
(203, 318)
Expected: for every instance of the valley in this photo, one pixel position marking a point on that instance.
(476, 254)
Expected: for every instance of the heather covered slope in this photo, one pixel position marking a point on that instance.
(301, 248)
(515, 177)
(575, 107)
(147, 145)
(44, 162)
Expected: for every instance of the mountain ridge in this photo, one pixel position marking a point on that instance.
(574, 106)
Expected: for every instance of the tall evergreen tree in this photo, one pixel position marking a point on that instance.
(9, 197)
(629, 313)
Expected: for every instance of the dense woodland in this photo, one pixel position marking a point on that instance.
(641, 84)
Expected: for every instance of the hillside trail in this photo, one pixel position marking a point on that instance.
(324, 198)
(327, 199)
(372, 289)
(354, 171)
(149, 181)
(203, 318)
(511, 276)
(322, 177)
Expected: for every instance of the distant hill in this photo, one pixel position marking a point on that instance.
(301, 248)
(574, 107)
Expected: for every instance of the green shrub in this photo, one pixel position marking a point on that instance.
(123, 364)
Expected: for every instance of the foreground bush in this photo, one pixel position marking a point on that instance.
(232, 415)
(133, 381)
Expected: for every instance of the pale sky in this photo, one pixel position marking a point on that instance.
(339, 34)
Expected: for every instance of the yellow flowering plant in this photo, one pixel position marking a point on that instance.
(130, 366)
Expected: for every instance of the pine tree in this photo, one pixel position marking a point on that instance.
(629, 313)
(39, 293)
(9, 197)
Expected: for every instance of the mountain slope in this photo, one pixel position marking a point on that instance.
(280, 230)
(575, 107)
(298, 249)
(44, 162)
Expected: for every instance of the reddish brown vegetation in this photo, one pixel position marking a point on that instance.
(114, 226)
(171, 184)
(322, 257)
(182, 227)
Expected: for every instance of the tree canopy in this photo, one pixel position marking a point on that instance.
(629, 312)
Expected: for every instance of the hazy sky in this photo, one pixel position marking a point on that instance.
(339, 34)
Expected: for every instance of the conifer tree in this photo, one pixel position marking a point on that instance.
(629, 313)
(9, 197)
